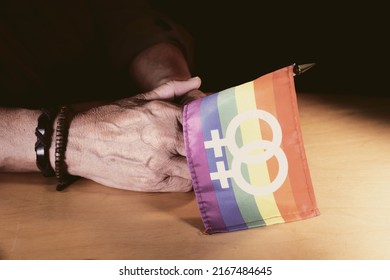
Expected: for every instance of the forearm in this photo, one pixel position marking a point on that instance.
(158, 64)
(101, 141)
(17, 139)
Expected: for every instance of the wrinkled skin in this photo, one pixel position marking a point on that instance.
(135, 143)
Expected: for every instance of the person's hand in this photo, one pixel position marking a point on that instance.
(135, 143)
(190, 96)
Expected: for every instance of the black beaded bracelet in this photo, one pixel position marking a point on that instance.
(64, 118)
(44, 132)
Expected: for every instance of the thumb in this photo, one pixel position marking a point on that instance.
(172, 89)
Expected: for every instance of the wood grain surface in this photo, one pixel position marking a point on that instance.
(347, 141)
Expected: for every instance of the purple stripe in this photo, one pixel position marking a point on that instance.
(226, 198)
(197, 163)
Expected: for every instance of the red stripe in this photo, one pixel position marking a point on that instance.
(288, 115)
(265, 99)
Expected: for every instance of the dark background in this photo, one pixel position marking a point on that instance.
(237, 41)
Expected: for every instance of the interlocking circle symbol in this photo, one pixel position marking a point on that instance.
(245, 153)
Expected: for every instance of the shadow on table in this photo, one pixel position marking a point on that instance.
(183, 206)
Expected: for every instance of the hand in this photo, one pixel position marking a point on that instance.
(190, 96)
(135, 143)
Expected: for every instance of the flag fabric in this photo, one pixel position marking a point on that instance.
(246, 155)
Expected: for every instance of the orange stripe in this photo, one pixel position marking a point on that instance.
(288, 115)
(265, 100)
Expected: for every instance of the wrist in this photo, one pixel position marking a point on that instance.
(44, 133)
(72, 149)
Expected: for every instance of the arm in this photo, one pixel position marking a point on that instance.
(17, 127)
(142, 41)
(158, 64)
(133, 144)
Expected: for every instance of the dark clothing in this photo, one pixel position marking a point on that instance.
(67, 51)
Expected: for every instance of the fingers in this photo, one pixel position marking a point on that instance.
(172, 89)
(175, 184)
(179, 146)
(191, 96)
(178, 167)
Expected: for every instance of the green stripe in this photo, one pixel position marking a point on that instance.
(227, 109)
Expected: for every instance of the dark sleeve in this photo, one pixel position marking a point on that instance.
(130, 26)
(68, 51)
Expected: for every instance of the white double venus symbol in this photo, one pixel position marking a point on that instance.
(248, 153)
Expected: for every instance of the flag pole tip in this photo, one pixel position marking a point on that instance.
(302, 68)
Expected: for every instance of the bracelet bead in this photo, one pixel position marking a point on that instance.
(64, 119)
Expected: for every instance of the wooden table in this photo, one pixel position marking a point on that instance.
(347, 142)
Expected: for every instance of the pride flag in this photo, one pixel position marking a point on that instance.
(246, 155)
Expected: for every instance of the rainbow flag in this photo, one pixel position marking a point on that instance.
(246, 155)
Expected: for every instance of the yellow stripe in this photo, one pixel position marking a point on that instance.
(258, 173)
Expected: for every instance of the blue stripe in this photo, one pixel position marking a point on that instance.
(226, 199)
